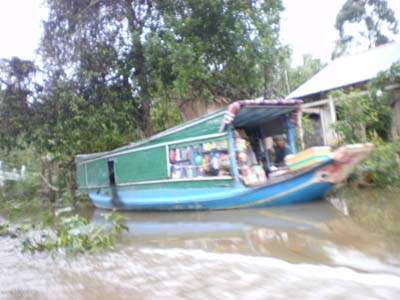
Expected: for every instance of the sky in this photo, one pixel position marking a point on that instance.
(20, 27)
(307, 26)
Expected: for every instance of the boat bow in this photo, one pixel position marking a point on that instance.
(345, 160)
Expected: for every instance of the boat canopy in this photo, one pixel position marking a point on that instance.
(252, 113)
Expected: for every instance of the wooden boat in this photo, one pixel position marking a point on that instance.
(212, 163)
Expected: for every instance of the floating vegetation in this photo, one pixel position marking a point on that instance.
(4, 228)
(66, 231)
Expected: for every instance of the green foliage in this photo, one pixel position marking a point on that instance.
(305, 134)
(226, 49)
(362, 115)
(116, 71)
(374, 17)
(383, 166)
(4, 228)
(299, 75)
(165, 114)
(28, 188)
(115, 67)
(16, 88)
(73, 233)
(366, 116)
(62, 230)
(389, 77)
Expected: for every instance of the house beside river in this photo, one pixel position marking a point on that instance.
(349, 71)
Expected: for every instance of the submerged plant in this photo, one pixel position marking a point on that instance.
(74, 233)
(4, 227)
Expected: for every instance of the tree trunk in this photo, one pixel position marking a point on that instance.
(43, 194)
(70, 182)
(138, 59)
(52, 194)
(58, 179)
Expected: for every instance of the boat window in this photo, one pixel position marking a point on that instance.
(200, 160)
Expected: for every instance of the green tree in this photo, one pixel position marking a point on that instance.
(374, 21)
(168, 51)
(16, 91)
(227, 49)
(300, 74)
(116, 71)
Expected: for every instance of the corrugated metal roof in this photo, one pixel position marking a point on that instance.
(350, 69)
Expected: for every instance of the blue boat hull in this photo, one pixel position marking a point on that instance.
(302, 187)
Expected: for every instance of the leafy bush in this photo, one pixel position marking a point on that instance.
(4, 228)
(29, 187)
(305, 134)
(26, 189)
(363, 116)
(383, 166)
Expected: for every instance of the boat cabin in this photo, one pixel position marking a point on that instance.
(224, 148)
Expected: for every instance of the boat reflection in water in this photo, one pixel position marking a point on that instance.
(312, 233)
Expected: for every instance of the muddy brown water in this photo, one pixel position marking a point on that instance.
(308, 251)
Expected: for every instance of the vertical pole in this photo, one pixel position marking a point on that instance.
(301, 132)
(86, 175)
(333, 136)
(332, 110)
(232, 156)
(264, 143)
(167, 161)
(193, 161)
(291, 135)
(323, 126)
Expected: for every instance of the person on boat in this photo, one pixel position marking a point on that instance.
(281, 149)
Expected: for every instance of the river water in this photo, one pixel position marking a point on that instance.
(308, 251)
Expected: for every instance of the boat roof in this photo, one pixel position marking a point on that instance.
(349, 70)
(250, 113)
(242, 113)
